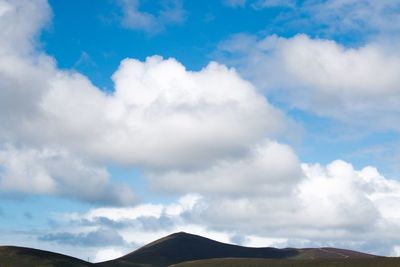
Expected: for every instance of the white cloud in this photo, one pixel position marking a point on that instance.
(159, 116)
(206, 115)
(368, 16)
(332, 205)
(355, 20)
(30, 172)
(204, 119)
(170, 12)
(270, 169)
(336, 196)
(321, 76)
(20, 21)
(126, 222)
(107, 254)
(121, 214)
(396, 252)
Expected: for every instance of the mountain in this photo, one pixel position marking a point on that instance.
(27, 257)
(183, 247)
(187, 250)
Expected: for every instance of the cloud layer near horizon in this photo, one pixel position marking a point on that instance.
(332, 205)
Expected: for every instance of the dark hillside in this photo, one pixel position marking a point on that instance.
(366, 262)
(27, 257)
(182, 247)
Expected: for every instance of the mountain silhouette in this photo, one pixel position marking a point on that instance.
(188, 250)
(182, 247)
(11, 256)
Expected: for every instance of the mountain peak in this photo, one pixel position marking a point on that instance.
(181, 246)
(181, 234)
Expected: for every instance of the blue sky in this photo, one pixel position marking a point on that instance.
(126, 120)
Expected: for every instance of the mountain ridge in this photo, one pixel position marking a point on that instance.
(184, 249)
(181, 247)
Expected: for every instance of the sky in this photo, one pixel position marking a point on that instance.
(254, 122)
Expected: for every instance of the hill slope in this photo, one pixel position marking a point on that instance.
(182, 247)
(187, 250)
(365, 262)
(27, 257)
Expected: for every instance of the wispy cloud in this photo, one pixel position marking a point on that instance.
(348, 20)
(98, 238)
(235, 3)
(169, 12)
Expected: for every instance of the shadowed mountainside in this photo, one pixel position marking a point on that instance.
(182, 247)
(187, 250)
(11, 256)
(364, 262)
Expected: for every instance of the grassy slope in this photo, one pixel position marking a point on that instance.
(27, 257)
(373, 262)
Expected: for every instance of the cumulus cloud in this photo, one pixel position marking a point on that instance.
(20, 21)
(332, 202)
(323, 77)
(170, 12)
(206, 115)
(204, 119)
(332, 205)
(74, 228)
(60, 129)
(269, 169)
(30, 172)
(153, 99)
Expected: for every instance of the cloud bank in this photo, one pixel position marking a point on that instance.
(355, 85)
(332, 205)
(61, 131)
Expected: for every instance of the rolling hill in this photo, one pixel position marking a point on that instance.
(187, 250)
(237, 262)
(11, 256)
(183, 247)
